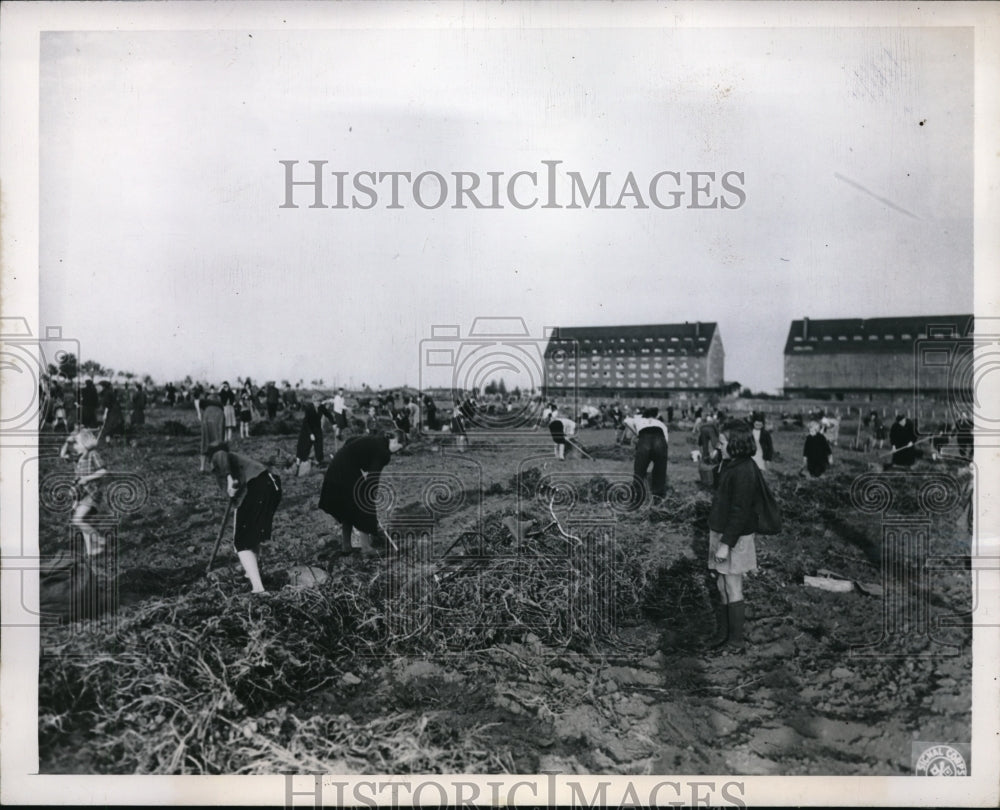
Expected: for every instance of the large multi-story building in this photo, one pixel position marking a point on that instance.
(634, 361)
(926, 354)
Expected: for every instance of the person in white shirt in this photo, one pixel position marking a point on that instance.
(650, 449)
(339, 413)
(561, 427)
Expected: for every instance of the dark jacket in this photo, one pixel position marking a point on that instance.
(733, 512)
(343, 495)
(766, 445)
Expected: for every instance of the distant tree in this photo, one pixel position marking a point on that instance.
(91, 368)
(491, 387)
(502, 387)
(68, 366)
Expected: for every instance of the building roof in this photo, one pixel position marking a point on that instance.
(694, 338)
(879, 335)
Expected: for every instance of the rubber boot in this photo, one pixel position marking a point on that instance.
(721, 628)
(248, 560)
(737, 615)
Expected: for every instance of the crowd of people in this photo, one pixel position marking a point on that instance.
(732, 457)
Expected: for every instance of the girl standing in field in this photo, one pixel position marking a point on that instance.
(228, 399)
(765, 446)
(732, 524)
(87, 488)
(246, 414)
(816, 452)
(256, 493)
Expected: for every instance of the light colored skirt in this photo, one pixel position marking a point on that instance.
(742, 557)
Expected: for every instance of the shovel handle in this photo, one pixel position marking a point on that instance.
(218, 540)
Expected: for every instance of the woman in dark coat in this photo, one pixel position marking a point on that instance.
(732, 524)
(138, 406)
(213, 427)
(430, 414)
(351, 483)
(902, 436)
(816, 452)
(114, 421)
(89, 402)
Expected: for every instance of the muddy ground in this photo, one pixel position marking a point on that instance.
(363, 675)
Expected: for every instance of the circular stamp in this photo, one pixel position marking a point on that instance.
(941, 760)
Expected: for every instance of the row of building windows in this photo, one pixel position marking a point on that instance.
(632, 384)
(605, 341)
(631, 364)
(607, 363)
(621, 375)
(904, 336)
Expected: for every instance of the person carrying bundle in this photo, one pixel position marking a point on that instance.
(350, 486)
(255, 491)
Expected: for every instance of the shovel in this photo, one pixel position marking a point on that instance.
(218, 540)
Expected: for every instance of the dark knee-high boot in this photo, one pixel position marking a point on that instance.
(721, 627)
(737, 615)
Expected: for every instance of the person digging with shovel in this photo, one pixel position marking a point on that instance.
(255, 492)
(350, 486)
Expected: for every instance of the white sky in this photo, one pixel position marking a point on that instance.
(164, 250)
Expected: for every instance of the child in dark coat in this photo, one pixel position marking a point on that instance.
(732, 523)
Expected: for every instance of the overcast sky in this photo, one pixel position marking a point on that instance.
(164, 248)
